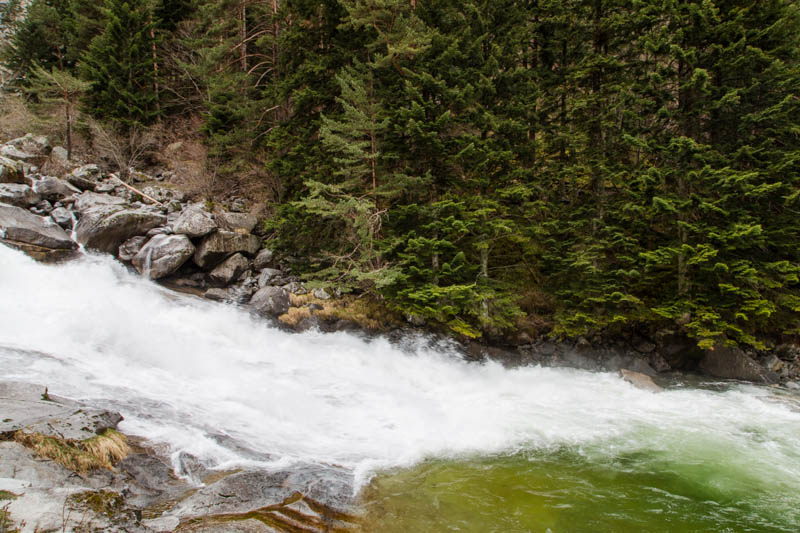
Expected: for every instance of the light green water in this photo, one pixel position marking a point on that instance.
(571, 491)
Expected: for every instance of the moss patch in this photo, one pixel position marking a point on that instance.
(102, 451)
(5, 495)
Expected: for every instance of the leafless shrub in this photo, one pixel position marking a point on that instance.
(125, 150)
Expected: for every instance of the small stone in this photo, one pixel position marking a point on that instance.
(792, 385)
(59, 155)
(218, 295)
(773, 363)
(321, 294)
(271, 301)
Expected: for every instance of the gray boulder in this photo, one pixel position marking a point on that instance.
(732, 363)
(271, 301)
(236, 221)
(53, 189)
(105, 228)
(38, 145)
(18, 195)
(194, 221)
(263, 259)
(163, 255)
(63, 217)
(218, 246)
(229, 270)
(85, 177)
(59, 155)
(90, 200)
(131, 247)
(11, 171)
(217, 295)
(267, 275)
(321, 294)
(12, 152)
(19, 225)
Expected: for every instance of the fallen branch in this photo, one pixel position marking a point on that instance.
(137, 191)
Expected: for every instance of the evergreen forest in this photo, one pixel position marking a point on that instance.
(560, 167)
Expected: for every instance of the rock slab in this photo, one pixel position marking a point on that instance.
(19, 225)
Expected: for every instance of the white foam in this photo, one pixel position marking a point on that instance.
(183, 370)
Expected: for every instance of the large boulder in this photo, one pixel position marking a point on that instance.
(241, 222)
(106, 227)
(218, 246)
(22, 226)
(229, 270)
(91, 200)
(264, 259)
(732, 363)
(53, 189)
(85, 177)
(163, 255)
(18, 194)
(267, 276)
(194, 221)
(11, 171)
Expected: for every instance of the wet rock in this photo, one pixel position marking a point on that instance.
(63, 217)
(194, 221)
(18, 195)
(316, 494)
(241, 222)
(27, 407)
(295, 288)
(773, 363)
(732, 363)
(11, 171)
(267, 276)
(218, 295)
(218, 246)
(264, 259)
(131, 247)
(105, 228)
(54, 189)
(791, 385)
(640, 381)
(270, 301)
(19, 225)
(229, 270)
(85, 177)
(163, 255)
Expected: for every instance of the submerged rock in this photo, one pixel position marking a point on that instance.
(163, 255)
(640, 381)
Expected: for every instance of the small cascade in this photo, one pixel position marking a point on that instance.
(148, 262)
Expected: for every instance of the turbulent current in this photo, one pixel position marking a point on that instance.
(185, 372)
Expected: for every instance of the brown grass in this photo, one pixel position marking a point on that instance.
(103, 451)
(364, 311)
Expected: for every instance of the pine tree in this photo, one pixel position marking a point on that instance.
(119, 66)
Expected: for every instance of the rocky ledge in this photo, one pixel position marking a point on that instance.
(65, 467)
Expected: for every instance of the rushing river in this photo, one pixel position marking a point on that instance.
(436, 443)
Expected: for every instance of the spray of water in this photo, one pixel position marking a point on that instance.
(184, 371)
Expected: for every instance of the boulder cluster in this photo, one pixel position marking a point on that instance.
(196, 247)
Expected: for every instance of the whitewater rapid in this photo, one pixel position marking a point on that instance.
(184, 371)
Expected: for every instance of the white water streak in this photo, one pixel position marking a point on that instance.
(181, 369)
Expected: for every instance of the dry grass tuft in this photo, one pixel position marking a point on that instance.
(103, 451)
(366, 312)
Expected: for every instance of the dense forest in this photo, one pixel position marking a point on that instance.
(571, 167)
